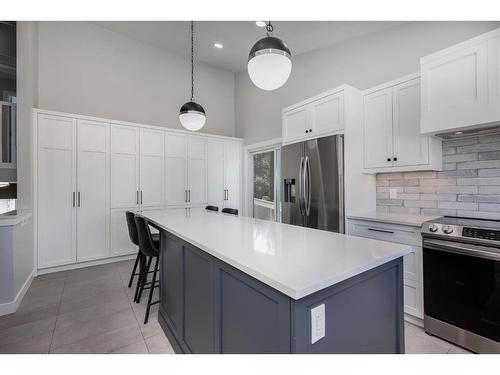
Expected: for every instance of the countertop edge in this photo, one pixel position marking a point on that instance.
(399, 221)
(7, 220)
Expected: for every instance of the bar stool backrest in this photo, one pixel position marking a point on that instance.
(212, 208)
(132, 227)
(232, 211)
(146, 243)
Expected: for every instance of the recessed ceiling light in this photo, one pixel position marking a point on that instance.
(260, 23)
(458, 133)
(218, 45)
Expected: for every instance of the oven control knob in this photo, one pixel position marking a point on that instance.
(433, 227)
(447, 229)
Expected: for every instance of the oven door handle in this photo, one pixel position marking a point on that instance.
(461, 248)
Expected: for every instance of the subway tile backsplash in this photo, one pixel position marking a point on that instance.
(469, 184)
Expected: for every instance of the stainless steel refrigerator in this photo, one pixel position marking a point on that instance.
(312, 183)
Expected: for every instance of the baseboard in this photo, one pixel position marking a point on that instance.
(11, 307)
(414, 320)
(98, 262)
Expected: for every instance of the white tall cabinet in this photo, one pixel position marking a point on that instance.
(224, 173)
(90, 171)
(73, 190)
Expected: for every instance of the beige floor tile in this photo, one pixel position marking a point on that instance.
(138, 347)
(39, 344)
(152, 328)
(159, 344)
(93, 327)
(24, 317)
(65, 321)
(26, 331)
(99, 297)
(103, 342)
(418, 342)
(37, 302)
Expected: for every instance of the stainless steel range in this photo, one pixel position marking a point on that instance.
(461, 259)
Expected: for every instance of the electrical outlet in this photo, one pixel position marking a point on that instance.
(393, 193)
(317, 323)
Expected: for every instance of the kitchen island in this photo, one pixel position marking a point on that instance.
(234, 284)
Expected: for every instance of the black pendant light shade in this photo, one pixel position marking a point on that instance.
(192, 115)
(269, 62)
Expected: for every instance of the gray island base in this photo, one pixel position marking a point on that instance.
(208, 306)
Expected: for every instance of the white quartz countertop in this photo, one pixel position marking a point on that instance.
(414, 220)
(14, 217)
(296, 261)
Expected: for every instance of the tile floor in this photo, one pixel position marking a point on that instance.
(90, 310)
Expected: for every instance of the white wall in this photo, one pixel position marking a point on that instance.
(362, 62)
(89, 70)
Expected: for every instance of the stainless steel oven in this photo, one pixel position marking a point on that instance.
(461, 260)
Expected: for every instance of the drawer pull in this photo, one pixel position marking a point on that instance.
(381, 230)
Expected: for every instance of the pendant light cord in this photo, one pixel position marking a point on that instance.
(192, 60)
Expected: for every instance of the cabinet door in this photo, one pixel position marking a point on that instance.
(215, 172)
(151, 167)
(410, 148)
(176, 165)
(295, 123)
(124, 166)
(56, 191)
(494, 73)
(120, 240)
(377, 129)
(413, 298)
(232, 173)
(197, 170)
(454, 89)
(93, 191)
(199, 301)
(328, 114)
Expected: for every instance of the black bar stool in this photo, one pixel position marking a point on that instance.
(140, 259)
(232, 211)
(212, 208)
(149, 249)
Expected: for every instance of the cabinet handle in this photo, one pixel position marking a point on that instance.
(74, 200)
(189, 196)
(389, 159)
(141, 196)
(137, 197)
(185, 196)
(79, 200)
(227, 194)
(381, 230)
(307, 131)
(395, 159)
(310, 130)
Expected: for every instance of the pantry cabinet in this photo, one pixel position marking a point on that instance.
(224, 166)
(314, 117)
(391, 129)
(73, 190)
(460, 85)
(89, 172)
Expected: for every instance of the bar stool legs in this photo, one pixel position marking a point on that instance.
(135, 269)
(151, 291)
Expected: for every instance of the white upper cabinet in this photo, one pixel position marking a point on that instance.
(460, 86)
(391, 129)
(377, 130)
(151, 192)
(92, 198)
(176, 169)
(315, 117)
(410, 147)
(124, 166)
(56, 209)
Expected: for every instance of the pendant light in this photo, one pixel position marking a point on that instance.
(192, 115)
(269, 63)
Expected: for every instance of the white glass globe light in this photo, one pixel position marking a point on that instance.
(269, 71)
(192, 116)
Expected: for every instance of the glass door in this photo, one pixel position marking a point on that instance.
(265, 184)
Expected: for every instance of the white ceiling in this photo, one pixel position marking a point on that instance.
(239, 36)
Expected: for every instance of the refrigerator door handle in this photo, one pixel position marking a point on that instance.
(340, 160)
(307, 183)
(301, 186)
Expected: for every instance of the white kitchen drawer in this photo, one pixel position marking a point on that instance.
(414, 298)
(404, 234)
